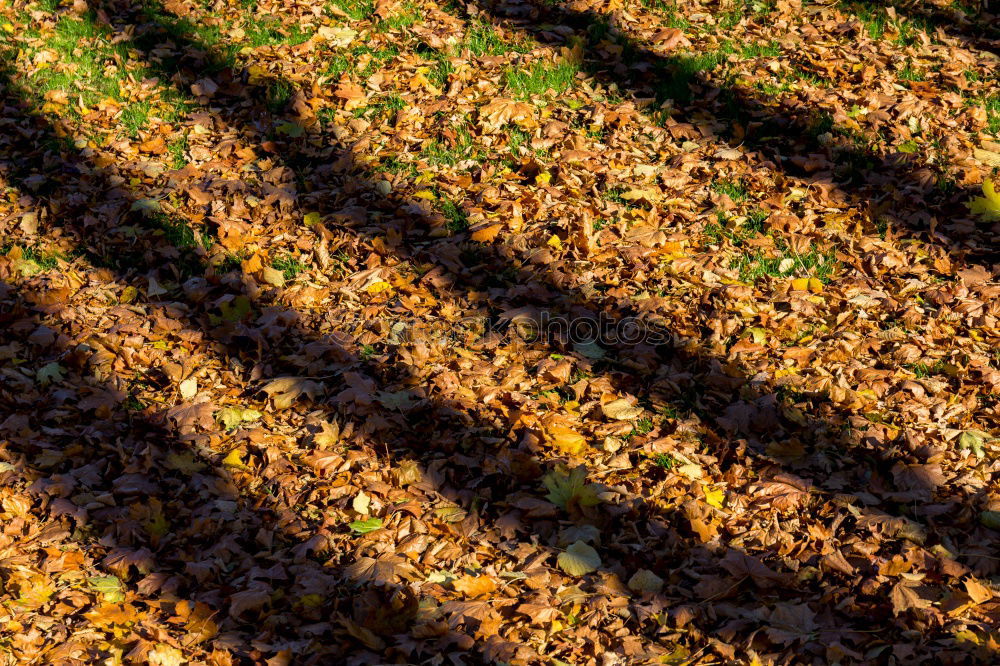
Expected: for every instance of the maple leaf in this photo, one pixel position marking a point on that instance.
(906, 595)
(988, 205)
(502, 110)
(475, 586)
(569, 491)
(564, 438)
(742, 565)
(791, 622)
(188, 416)
(285, 390)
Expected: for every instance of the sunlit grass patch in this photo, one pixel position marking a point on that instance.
(178, 152)
(910, 73)
(734, 189)
(459, 145)
(482, 39)
(289, 266)
(84, 66)
(756, 265)
(992, 106)
(409, 15)
(541, 78)
(878, 24)
(354, 9)
(769, 50)
(134, 118)
(269, 31)
(672, 18)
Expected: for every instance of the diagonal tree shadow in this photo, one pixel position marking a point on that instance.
(725, 389)
(973, 24)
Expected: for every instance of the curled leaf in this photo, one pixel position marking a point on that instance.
(366, 526)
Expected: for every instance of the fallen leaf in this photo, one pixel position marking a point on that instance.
(579, 559)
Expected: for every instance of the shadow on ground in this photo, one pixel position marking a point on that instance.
(210, 544)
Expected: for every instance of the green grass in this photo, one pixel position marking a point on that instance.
(45, 260)
(458, 221)
(134, 118)
(665, 460)
(670, 14)
(88, 67)
(676, 74)
(992, 106)
(754, 266)
(462, 146)
(409, 16)
(269, 31)
(384, 105)
(908, 73)
(877, 22)
(177, 150)
(355, 9)
(289, 266)
(751, 225)
(541, 78)
(278, 94)
(642, 427)
(769, 50)
(482, 39)
(379, 56)
(734, 189)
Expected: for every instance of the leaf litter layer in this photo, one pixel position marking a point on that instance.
(271, 392)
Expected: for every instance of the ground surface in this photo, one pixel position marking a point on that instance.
(272, 388)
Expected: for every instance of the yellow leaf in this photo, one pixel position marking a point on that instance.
(475, 586)
(311, 600)
(988, 206)
(257, 74)
(35, 592)
(555, 242)
(815, 285)
(565, 439)
(378, 287)
(544, 178)
(252, 264)
(425, 194)
(235, 460)
(714, 497)
(165, 655)
(800, 284)
(309, 219)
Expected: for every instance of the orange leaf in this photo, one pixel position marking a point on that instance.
(475, 586)
(486, 234)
